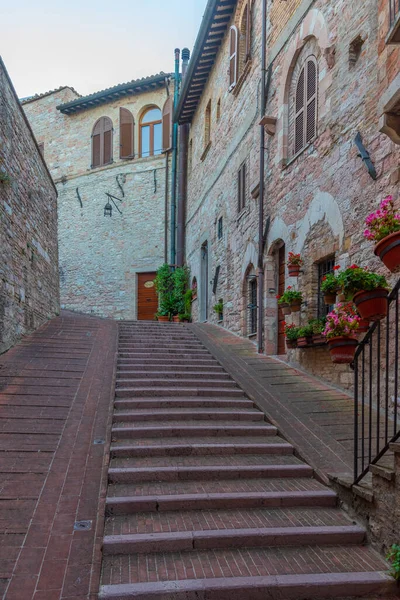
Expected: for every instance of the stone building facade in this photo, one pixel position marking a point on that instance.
(318, 191)
(102, 162)
(28, 225)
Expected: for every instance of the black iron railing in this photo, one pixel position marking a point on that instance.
(394, 11)
(376, 387)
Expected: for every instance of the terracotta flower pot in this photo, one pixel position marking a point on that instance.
(294, 270)
(388, 251)
(176, 319)
(291, 344)
(303, 341)
(363, 326)
(163, 319)
(318, 339)
(295, 307)
(372, 305)
(342, 349)
(286, 310)
(341, 298)
(329, 299)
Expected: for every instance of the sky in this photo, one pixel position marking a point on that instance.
(92, 44)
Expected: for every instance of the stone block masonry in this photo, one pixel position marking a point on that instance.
(29, 291)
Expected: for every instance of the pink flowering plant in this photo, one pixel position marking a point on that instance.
(383, 221)
(343, 321)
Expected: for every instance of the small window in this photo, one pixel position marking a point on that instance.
(219, 109)
(305, 105)
(233, 57)
(242, 187)
(151, 132)
(102, 140)
(207, 125)
(220, 228)
(324, 267)
(126, 129)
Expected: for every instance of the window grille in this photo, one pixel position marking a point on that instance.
(324, 268)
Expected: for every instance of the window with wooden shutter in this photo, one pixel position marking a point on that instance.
(242, 187)
(102, 141)
(167, 124)
(126, 133)
(233, 57)
(305, 105)
(151, 132)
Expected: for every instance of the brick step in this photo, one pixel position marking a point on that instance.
(186, 382)
(222, 519)
(129, 504)
(130, 334)
(156, 375)
(206, 473)
(231, 403)
(174, 357)
(157, 391)
(265, 537)
(199, 414)
(127, 450)
(194, 430)
(161, 347)
(174, 350)
(152, 365)
(233, 460)
(271, 587)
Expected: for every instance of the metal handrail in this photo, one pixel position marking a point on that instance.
(371, 386)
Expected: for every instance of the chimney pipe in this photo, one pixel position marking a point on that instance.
(182, 175)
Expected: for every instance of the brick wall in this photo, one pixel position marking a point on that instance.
(29, 292)
(100, 256)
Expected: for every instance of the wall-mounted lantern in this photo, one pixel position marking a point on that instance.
(108, 209)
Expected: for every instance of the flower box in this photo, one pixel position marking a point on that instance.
(342, 349)
(372, 305)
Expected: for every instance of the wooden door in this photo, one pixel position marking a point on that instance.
(147, 297)
(281, 289)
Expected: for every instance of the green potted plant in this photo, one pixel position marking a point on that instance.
(285, 308)
(330, 286)
(341, 328)
(291, 334)
(368, 291)
(187, 314)
(318, 327)
(291, 298)
(294, 264)
(219, 309)
(383, 227)
(305, 335)
(180, 282)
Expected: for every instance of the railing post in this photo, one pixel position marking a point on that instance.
(356, 418)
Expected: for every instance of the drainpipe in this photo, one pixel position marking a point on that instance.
(260, 302)
(174, 161)
(182, 174)
(166, 207)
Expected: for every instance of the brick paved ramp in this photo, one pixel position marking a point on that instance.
(55, 392)
(206, 500)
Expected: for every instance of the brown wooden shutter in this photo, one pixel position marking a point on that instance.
(107, 147)
(96, 150)
(233, 57)
(102, 142)
(311, 100)
(248, 31)
(299, 114)
(126, 133)
(167, 125)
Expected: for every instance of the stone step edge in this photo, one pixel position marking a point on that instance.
(172, 415)
(275, 587)
(120, 505)
(265, 537)
(197, 430)
(177, 390)
(192, 473)
(200, 450)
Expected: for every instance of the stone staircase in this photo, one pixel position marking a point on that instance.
(206, 500)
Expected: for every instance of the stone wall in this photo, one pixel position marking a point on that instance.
(100, 256)
(318, 201)
(29, 291)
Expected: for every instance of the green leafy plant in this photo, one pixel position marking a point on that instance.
(180, 278)
(219, 308)
(294, 259)
(356, 279)
(290, 296)
(306, 331)
(291, 332)
(394, 557)
(317, 325)
(330, 283)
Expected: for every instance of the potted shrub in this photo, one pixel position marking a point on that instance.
(285, 308)
(180, 279)
(305, 335)
(291, 334)
(163, 315)
(164, 286)
(368, 291)
(187, 314)
(341, 328)
(383, 227)
(292, 299)
(330, 286)
(318, 327)
(294, 264)
(219, 309)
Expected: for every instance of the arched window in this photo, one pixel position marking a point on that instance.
(126, 132)
(304, 106)
(151, 132)
(233, 57)
(167, 124)
(245, 39)
(102, 141)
